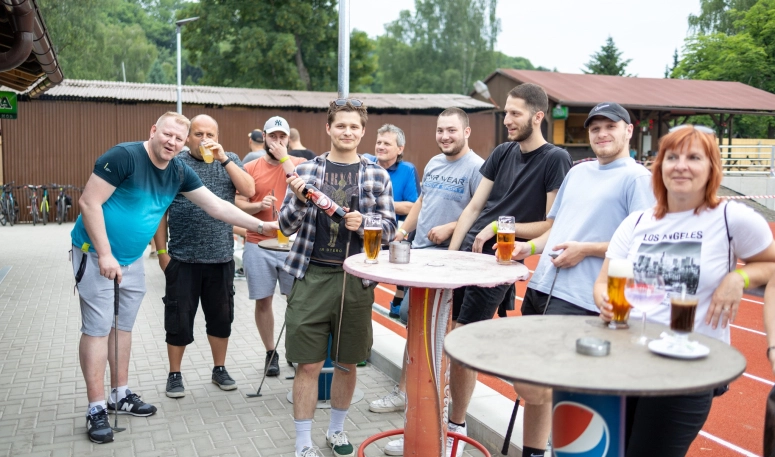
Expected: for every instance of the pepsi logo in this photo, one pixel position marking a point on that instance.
(579, 431)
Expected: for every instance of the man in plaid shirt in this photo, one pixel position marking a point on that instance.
(316, 261)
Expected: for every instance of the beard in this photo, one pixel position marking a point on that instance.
(617, 145)
(456, 148)
(266, 148)
(523, 133)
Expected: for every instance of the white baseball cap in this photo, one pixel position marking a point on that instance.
(276, 123)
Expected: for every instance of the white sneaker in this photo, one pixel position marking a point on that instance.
(392, 402)
(340, 445)
(309, 452)
(461, 444)
(395, 447)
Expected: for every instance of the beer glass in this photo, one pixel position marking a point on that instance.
(505, 240)
(683, 308)
(207, 153)
(644, 291)
(282, 240)
(372, 236)
(618, 272)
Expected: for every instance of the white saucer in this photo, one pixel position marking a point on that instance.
(668, 348)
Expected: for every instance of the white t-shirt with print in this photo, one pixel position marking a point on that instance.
(693, 249)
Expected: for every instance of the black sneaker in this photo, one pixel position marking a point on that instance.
(272, 366)
(98, 426)
(222, 379)
(131, 404)
(175, 387)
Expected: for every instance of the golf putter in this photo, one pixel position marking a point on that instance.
(353, 205)
(266, 367)
(115, 427)
(551, 289)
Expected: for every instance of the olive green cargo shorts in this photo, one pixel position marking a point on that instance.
(313, 314)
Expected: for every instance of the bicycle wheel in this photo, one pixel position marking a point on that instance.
(12, 212)
(60, 211)
(44, 212)
(34, 214)
(3, 219)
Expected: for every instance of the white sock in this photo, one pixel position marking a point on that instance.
(303, 434)
(337, 420)
(92, 404)
(122, 393)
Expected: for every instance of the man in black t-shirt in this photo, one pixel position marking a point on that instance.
(521, 179)
(296, 148)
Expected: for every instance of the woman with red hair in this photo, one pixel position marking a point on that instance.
(693, 240)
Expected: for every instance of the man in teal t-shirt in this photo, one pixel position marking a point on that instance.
(131, 187)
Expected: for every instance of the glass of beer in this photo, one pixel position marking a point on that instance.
(372, 236)
(282, 240)
(683, 308)
(505, 240)
(207, 153)
(619, 270)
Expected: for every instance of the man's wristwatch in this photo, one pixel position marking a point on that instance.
(261, 227)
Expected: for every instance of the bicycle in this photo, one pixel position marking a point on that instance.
(44, 208)
(9, 207)
(63, 203)
(33, 206)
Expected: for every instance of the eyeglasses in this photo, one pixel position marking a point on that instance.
(343, 101)
(699, 128)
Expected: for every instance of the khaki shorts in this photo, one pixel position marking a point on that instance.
(313, 314)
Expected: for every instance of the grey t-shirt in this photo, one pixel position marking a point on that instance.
(447, 187)
(253, 156)
(195, 237)
(593, 200)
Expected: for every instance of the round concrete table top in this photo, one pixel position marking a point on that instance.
(272, 245)
(542, 350)
(437, 269)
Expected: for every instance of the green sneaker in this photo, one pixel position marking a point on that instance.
(340, 445)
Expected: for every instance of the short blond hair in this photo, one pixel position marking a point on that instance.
(178, 118)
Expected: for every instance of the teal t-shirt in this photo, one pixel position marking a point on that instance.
(143, 193)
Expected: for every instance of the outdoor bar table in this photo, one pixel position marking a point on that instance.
(589, 391)
(272, 244)
(432, 274)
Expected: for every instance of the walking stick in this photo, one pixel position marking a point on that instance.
(116, 428)
(353, 207)
(266, 367)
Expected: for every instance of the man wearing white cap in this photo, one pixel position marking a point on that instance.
(263, 268)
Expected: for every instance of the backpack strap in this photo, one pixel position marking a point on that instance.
(731, 261)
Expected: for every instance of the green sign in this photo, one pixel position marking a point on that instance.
(8, 105)
(560, 112)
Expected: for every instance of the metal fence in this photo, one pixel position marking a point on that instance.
(748, 160)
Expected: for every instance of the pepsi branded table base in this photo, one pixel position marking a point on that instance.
(585, 425)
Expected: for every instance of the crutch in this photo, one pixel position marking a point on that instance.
(266, 367)
(116, 428)
(353, 207)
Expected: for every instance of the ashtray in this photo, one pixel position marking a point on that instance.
(593, 346)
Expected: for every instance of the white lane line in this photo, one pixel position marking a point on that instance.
(727, 444)
(762, 380)
(753, 301)
(385, 289)
(747, 329)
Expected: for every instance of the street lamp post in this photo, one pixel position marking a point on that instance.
(179, 24)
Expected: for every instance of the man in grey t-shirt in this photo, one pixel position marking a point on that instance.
(449, 182)
(199, 264)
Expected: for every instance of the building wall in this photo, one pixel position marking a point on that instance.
(58, 141)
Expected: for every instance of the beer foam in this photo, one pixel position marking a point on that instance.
(620, 268)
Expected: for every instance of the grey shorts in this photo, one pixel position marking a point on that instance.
(97, 294)
(263, 270)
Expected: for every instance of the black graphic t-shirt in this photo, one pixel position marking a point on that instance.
(339, 183)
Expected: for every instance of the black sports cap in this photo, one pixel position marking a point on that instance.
(256, 136)
(611, 110)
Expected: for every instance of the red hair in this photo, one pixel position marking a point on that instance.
(676, 141)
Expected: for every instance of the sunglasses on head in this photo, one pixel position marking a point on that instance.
(343, 101)
(699, 128)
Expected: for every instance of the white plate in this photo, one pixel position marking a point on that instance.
(667, 347)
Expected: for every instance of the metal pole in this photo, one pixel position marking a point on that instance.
(344, 49)
(180, 102)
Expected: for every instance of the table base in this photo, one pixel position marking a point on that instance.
(589, 425)
(457, 438)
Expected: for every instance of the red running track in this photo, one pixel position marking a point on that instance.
(736, 423)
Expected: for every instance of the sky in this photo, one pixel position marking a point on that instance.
(563, 34)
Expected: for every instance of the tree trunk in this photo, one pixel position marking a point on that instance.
(303, 73)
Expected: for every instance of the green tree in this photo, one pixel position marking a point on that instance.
(607, 61)
(290, 44)
(718, 15)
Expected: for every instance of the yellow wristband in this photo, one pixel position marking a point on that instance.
(746, 279)
(403, 232)
(494, 227)
(161, 251)
(284, 159)
(532, 247)
(85, 247)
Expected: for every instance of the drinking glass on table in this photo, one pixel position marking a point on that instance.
(372, 236)
(645, 291)
(505, 238)
(683, 308)
(619, 270)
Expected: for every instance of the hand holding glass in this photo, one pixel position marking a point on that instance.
(372, 236)
(645, 291)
